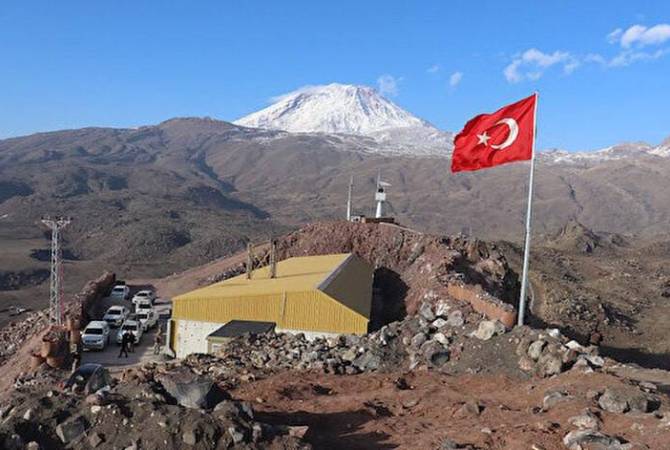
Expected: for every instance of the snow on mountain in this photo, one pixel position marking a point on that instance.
(616, 152)
(353, 110)
(662, 150)
(361, 112)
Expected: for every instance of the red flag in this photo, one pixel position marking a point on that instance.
(492, 139)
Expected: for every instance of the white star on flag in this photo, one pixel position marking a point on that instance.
(483, 138)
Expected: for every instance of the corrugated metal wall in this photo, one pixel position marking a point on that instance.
(310, 311)
(257, 307)
(341, 306)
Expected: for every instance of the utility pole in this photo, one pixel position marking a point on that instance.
(56, 224)
(351, 188)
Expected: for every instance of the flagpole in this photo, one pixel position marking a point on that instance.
(526, 252)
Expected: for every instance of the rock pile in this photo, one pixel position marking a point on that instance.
(135, 415)
(436, 338)
(549, 353)
(17, 333)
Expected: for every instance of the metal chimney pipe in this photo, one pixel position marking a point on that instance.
(250, 260)
(273, 258)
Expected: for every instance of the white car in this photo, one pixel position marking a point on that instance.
(143, 306)
(116, 315)
(120, 291)
(148, 318)
(95, 335)
(130, 326)
(144, 295)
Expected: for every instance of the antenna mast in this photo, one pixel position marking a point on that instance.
(56, 224)
(351, 188)
(380, 196)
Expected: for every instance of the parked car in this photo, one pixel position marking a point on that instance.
(95, 335)
(116, 315)
(143, 306)
(88, 378)
(130, 326)
(147, 318)
(120, 291)
(145, 294)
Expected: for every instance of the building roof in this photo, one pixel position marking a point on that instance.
(327, 293)
(298, 274)
(239, 327)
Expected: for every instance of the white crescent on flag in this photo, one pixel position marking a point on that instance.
(511, 137)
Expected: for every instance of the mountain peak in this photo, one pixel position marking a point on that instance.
(333, 108)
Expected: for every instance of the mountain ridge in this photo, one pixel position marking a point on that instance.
(342, 109)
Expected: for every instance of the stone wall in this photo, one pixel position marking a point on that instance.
(483, 303)
(84, 302)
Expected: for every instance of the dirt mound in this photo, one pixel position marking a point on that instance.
(574, 236)
(416, 257)
(411, 267)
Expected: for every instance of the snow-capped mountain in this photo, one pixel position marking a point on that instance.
(353, 110)
(374, 124)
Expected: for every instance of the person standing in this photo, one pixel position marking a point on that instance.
(158, 342)
(124, 344)
(131, 342)
(75, 353)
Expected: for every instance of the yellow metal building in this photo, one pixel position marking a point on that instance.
(316, 295)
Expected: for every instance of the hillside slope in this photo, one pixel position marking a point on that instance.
(159, 199)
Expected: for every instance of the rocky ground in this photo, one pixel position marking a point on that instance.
(444, 378)
(434, 374)
(603, 288)
(596, 287)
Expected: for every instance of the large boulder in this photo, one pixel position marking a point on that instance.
(586, 421)
(191, 390)
(623, 399)
(591, 439)
(435, 353)
(368, 361)
(488, 328)
(71, 429)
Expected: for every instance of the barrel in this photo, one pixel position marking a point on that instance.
(48, 348)
(72, 323)
(36, 361)
(75, 336)
(57, 362)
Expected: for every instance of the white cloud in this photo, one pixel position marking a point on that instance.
(455, 79)
(531, 64)
(388, 85)
(627, 57)
(595, 58)
(433, 69)
(614, 36)
(640, 35)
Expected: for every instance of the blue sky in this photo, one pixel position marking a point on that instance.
(127, 63)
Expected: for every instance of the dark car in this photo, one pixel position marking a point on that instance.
(88, 378)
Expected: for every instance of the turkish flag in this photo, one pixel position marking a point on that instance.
(492, 139)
